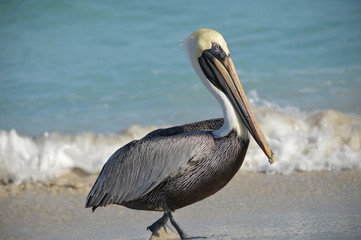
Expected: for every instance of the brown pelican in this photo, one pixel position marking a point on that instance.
(174, 167)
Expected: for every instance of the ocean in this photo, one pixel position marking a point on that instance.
(79, 79)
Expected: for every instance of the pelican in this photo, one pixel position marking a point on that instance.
(174, 167)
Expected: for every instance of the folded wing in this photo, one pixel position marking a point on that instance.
(138, 167)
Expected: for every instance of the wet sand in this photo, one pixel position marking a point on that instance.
(313, 205)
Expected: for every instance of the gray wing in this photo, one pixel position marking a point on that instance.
(138, 167)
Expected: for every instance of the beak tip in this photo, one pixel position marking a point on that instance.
(272, 159)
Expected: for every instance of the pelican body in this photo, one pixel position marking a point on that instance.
(174, 167)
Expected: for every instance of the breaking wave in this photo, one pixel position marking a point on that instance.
(301, 141)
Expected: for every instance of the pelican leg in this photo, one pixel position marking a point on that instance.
(180, 231)
(159, 223)
(162, 222)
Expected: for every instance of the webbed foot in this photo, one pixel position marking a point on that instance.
(162, 223)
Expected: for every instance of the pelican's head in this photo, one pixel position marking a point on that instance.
(210, 57)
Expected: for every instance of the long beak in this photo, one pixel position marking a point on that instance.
(228, 80)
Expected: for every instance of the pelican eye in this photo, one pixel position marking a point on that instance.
(216, 46)
(217, 51)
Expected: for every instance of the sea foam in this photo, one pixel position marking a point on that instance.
(301, 141)
(30, 159)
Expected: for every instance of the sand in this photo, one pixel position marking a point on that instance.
(312, 205)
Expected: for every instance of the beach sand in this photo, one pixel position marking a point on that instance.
(302, 205)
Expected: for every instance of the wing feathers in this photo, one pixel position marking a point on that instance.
(138, 167)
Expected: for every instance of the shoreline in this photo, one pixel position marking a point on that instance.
(301, 205)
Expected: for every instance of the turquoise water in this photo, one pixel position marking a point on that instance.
(74, 66)
(69, 67)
